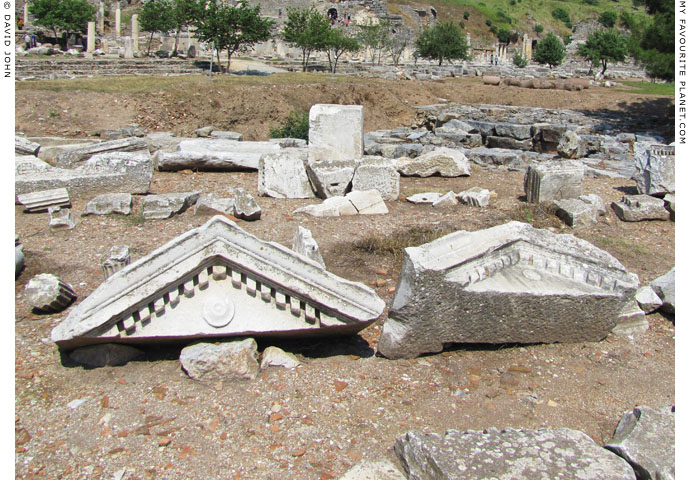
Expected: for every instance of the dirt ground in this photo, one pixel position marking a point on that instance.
(148, 420)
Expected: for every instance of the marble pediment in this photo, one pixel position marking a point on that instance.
(218, 281)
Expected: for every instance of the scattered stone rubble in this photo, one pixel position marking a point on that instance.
(214, 154)
(655, 172)
(47, 293)
(22, 146)
(165, 205)
(227, 361)
(583, 211)
(354, 203)
(665, 288)
(211, 205)
(218, 281)
(304, 244)
(283, 174)
(554, 180)
(506, 284)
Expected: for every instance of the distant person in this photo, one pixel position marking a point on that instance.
(491, 62)
(27, 41)
(20, 24)
(33, 40)
(280, 12)
(84, 43)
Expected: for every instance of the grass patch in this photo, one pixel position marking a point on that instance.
(394, 244)
(621, 247)
(649, 88)
(539, 215)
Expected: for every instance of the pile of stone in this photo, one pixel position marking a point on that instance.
(475, 196)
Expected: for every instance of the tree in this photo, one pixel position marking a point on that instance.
(443, 41)
(65, 15)
(550, 51)
(376, 37)
(338, 43)
(658, 42)
(156, 16)
(519, 61)
(230, 28)
(602, 47)
(608, 19)
(183, 12)
(400, 40)
(503, 35)
(308, 30)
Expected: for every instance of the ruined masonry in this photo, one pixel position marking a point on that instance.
(218, 281)
(554, 180)
(40, 201)
(507, 284)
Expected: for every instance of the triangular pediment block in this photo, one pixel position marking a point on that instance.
(217, 281)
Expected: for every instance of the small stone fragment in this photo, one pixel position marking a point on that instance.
(637, 208)
(210, 205)
(246, 207)
(475, 196)
(647, 299)
(276, 357)
(166, 205)
(47, 293)
(61, 218)
(418, 198)
(228, 361)
(665, 288)
(304, 244)
(110, 203)
(367, 202)
(631, 320)
(116, 259)
(450, 199)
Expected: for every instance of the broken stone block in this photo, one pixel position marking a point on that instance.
(331, 207)
(109, 203)
(637, 208)
(631, 320)
(331, 178)
(445, 162)
(245, 207)
(61, 218)
(647, 299)
(227, 361)
(645, 438)
(204, 131)
(508, 143)
(571, 145)
(547, 136)
(583, 211)
(665, 288)
(495, 156)
(212, 154)
(218, 281)
(79, 156)
(507, 284)
(165, 205)
(377, 173)
(554, 180)
(450, 199)
(283, 175)
(276, 357)
(226, 135)
(418, 198)
(304, 244)
(114, 172)
(26, 164)
(117, 258)
(367, 202)
(514, 130)
(40, 201)
(475, 196)
(336, 133)
(289, 142)
(510, 454)
(210, 205)
(47, 293)
(655, 169)
(105, 355)
(22, 146)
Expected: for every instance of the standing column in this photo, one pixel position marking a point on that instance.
(26, 15)
(117, 22)
(91, 37)
(101, 19)
(135, 32)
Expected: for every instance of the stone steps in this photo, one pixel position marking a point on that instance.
(32, 68)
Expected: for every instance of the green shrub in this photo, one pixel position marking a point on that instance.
(503, 35)
(296, 126)
(608, 19)
(466, 15)
(488, 22)
(627, 20)
(502, 15)
(561, 14)
(462, 24)
(494, 30)
(519, 61)
(538, 28)
(594, 3)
